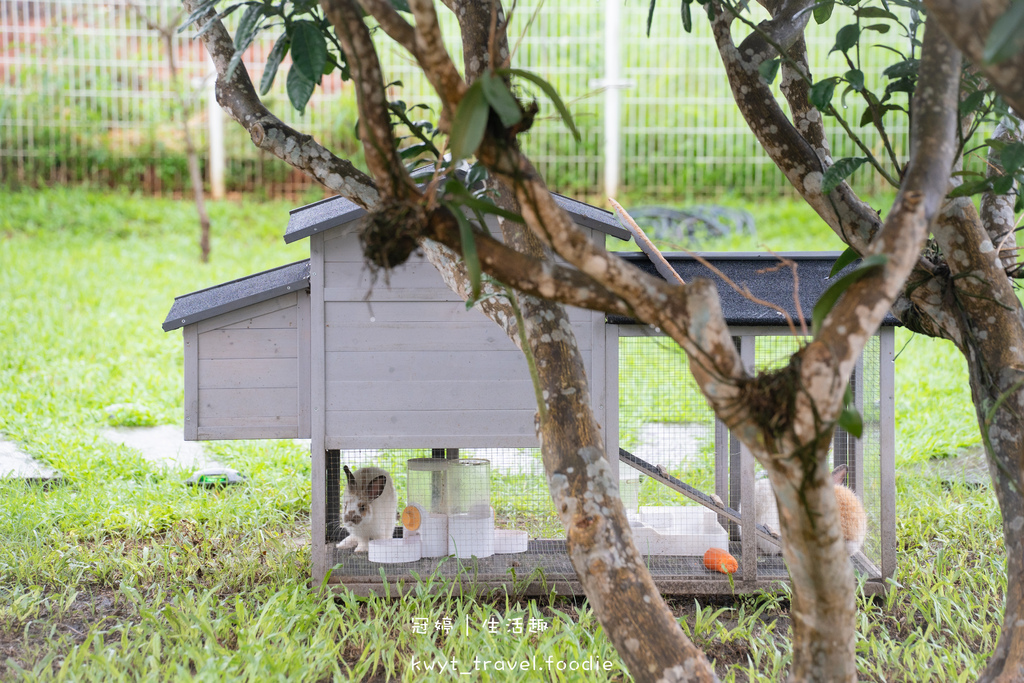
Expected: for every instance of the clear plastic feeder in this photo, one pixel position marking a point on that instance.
(453, 498)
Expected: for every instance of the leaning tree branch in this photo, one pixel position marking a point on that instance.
(932, 148)
(997, 213)
(397, 28)
(968, 24)
(374, 118)
(238, 98)
(849, 217)
(433, 57)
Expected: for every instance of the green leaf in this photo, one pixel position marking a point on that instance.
(855, 77)
(1012, 157)
(769, 69)
(247, 26)
(823, 10)
(845, 259)
(840, 171)
(199, 11)
(650, 17)
(846, 38)
(469, 124)
(874, 13)
(970, 104)
(469, 255)
(309, 50)
(277, 53)
(1007, 35)
(820, 94)
(477, 173)
(401, 6)
(851, 421)
(828, 300)
(902, 69)
(500, 99)
(684, 11)
(968, 189)
(878, 28)
(300, 88)
(1002, 184)
(552, 94)
(463, 197)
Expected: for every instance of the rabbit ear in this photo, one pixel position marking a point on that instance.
(839, 474)
(349, 478)
(376, 487)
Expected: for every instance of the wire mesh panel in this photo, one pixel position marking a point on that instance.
(86, 94)
(481, 512)
(666, 423)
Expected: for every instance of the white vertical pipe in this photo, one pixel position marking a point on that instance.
(215, 117)
(612, 95)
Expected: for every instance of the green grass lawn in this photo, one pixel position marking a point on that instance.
(124, 573)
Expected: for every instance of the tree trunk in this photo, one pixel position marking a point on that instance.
(1005, 449)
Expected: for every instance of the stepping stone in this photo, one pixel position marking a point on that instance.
(17, 465)
(163, 446)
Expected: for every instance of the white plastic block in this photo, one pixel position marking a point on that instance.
(395, 550)
(509, 541)
(471, 535)
(677, 530)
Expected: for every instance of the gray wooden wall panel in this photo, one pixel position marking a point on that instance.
(248, 314)
(449, 429)
(399, 366)
(305, 361)
(238, 373)
(416, 272)
(248, 372)
(459, 395)
(423, 311)
(191, 337)
(284, 319)
(318, 445)
(276, 429)
(261, 402)
(412, 368)
(469, 335)
(248, 344)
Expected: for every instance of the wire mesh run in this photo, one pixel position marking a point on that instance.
(486, 514)
(666, 422)
(484, 511)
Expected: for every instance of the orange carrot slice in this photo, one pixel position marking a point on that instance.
(718, 560)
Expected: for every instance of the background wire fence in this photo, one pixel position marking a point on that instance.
(85, 96)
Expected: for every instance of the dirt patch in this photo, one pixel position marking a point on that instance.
(53, 629)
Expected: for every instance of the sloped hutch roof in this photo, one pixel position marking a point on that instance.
(760, 272)
(230, 296)
(335, 211)
(764, 275)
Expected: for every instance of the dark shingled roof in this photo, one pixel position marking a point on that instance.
(230, 296)
(334, 211)
(758, 272)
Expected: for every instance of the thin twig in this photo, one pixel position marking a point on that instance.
(791, 264)
(660, 263)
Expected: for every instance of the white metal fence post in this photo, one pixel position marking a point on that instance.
(612, 96)
(216, 137)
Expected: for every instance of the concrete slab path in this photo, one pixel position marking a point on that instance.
(17, 465)
(162, 446)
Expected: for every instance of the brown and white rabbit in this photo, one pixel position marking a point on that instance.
(852, 517)
(368, 507)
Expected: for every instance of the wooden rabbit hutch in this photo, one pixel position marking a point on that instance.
(400, 375)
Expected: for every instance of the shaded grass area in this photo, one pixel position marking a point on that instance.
(123, 573)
